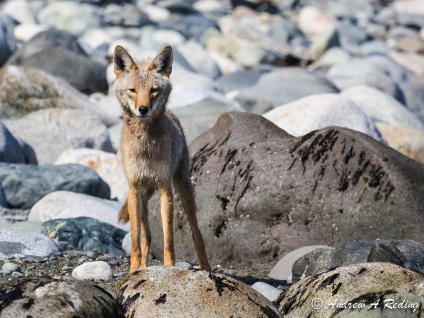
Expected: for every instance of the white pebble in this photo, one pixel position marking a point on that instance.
(96, 271)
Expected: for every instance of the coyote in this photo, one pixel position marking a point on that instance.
(154, 154)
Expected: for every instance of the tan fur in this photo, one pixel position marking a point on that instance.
(154, 154)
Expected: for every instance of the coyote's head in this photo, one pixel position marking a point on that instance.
(142, 87)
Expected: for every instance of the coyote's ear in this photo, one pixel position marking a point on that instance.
(122, 61)
(162, 63)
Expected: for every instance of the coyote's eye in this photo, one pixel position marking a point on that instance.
(131, 90)
(153, 90)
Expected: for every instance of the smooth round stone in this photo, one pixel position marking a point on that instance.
(11, 267)
(97, 271)
(184, 265)
(73, 17)
(313, 21)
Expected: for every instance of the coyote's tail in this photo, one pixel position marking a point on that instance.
(123, 216)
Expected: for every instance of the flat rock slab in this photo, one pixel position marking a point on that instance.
(24, 185)
(23, 244)
(40, 297)
(177, 292)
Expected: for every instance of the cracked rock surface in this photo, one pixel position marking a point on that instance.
(261, 192)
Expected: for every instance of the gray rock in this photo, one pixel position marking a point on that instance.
(405, 253)
(17, 274)
(414, 96)
(93, 271)
(59, 53)
(359, 72)
(283, 269)
(270, 292)
(191, 26)
(73, 17)
(201, 116)
(52, 131)
(55, 297)
(10, 149)
(25, 90)
(153, 39)
(8, 43)
(65, 204)
(245, 160)
(12, 267)
(280, 87)
(49, 39)
(178, 292)
(124, 15)
(361, 283)
(238, 80)
(85, 234)
(106, 164)
(23, 226)
(29, 153)
(24, 244)
(83, 73)
(24, 185)
(199, 59)
(397, 72)
(184, 265)
(309, 113)
(351, 37)
(20, 11)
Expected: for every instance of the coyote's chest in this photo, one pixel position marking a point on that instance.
(146, 158)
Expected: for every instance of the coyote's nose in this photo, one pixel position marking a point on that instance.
(143, 111)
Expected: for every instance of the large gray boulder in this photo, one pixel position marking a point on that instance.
(24, 185)
(52, 131)
(177, 292)
(63, 297)
(25, 90)
(261, 193)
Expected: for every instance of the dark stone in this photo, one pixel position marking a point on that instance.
(351, 37)
(191, 26)
(8, 43)
(59, 53)
(55, 297)
(282, 86)
(85, 234)
(238, 79)
(24, 184)
(262, 193)
(406, 253)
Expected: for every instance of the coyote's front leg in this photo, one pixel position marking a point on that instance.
(140, 232)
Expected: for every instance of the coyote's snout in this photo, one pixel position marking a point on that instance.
(154, 154)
